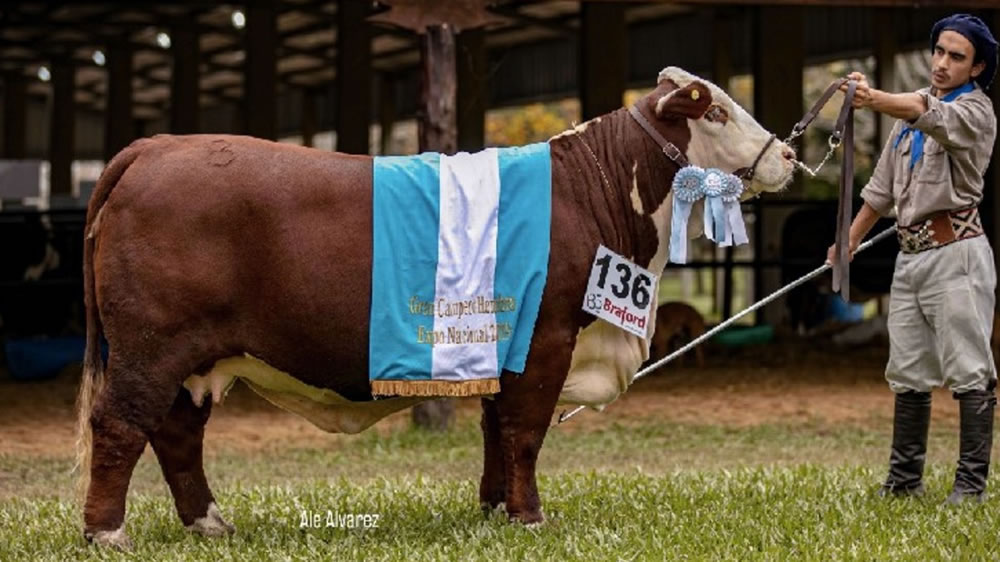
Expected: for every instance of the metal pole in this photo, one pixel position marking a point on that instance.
(869, 243)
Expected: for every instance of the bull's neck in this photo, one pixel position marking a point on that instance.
(618, 178)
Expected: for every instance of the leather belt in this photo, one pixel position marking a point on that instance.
(939, 229)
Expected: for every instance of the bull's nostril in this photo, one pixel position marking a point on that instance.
(788, 154)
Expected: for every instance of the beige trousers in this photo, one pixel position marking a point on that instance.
(941, 317)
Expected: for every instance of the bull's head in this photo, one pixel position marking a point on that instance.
(723, 134)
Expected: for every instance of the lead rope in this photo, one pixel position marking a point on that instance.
(819, 270)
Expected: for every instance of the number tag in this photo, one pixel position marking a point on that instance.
(620, 292)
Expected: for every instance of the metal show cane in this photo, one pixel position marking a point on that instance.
(867, 244)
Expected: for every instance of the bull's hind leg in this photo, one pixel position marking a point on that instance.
(117, 445)
(178, 446)
(492, 487)
(126, 411)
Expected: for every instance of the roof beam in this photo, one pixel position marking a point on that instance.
(556, 25)
(909, 4)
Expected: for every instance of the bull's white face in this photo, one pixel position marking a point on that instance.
(728, 138)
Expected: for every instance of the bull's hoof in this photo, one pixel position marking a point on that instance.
(528, 519)
(116, 539)
(212, 524)
(491, 507)
(491, 496)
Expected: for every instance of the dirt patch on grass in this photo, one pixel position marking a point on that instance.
(778, 384)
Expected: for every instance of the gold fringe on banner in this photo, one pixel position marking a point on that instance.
(477, 387)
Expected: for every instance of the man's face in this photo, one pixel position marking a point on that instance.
(951, 63)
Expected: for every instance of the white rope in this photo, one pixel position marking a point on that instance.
(870, 242)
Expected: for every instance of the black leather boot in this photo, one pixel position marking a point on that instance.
(975, 441)
(909, 445)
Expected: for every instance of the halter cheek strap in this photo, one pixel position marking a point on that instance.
(668, 148)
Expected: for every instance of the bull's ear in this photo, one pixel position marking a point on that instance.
(689, 102)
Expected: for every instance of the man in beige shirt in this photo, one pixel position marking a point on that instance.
(930, 176)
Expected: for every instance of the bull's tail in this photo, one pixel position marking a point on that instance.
(93, 363)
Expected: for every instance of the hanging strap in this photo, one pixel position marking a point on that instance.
(844, 130)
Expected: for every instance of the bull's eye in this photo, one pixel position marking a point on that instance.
(716, 114)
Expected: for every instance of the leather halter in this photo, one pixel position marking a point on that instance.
(675, 154)
(843, 131)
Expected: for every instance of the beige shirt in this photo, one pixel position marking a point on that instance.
(958, 142)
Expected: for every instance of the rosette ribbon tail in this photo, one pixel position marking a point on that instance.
(716, 225)
(678, 230)
(734, 216)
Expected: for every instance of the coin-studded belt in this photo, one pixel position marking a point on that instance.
(939, 229)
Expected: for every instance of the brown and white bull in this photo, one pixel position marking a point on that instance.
(210, 257)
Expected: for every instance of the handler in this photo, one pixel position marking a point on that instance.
(930, 175)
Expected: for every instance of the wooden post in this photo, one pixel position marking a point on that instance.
(62, 127)
(184, 86)
(470, 62)
(722, 71)
(778, 62)
(386, 111)
(119, 127)
(15, 121)
(261, 69)
(886, 47)
(437, 22)
(437, 131)
(309, 100)
(603, 59)
(354, 77)
(438, 127)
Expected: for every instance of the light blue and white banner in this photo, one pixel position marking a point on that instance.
(461, 249)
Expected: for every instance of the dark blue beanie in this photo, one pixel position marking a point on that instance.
(973, 29)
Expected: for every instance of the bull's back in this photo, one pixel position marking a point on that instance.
(246, 246)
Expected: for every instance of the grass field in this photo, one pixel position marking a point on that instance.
(629, 491)
(762, 457)
(800, 513)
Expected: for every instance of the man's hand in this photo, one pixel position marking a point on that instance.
(863, 92)
(831, 257)
(906, 105)
(863, 222)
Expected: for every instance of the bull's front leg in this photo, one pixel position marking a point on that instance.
(524, 407)
(492, 487)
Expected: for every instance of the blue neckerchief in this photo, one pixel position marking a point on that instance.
(917, 149)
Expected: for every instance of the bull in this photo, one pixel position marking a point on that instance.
(211, 257)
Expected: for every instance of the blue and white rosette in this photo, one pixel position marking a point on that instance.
(723, 217)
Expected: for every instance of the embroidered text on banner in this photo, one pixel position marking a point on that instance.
(461, 248)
